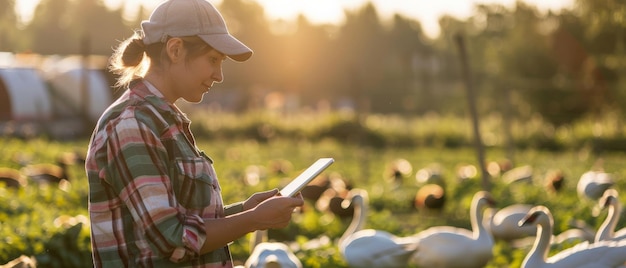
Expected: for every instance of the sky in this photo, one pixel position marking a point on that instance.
(427, 12)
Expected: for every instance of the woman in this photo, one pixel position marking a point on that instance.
(154, 198)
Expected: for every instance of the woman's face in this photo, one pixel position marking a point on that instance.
(196, 76)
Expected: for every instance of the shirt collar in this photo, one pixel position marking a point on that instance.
(152, 95)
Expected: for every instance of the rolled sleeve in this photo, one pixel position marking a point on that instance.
(192, 240)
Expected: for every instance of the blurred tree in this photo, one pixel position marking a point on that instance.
(535, 73)
(8, 26)
(362, 49)
(409, 71)
(605, 21)
(305, 61)
(63, 26)
(102, 28)
(602, 29)
(448, 83)
(564, 65)
(50, 29)
(589, 76)
(490, 26)
(246, 20)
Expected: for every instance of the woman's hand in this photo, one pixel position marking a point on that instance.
(256, 198)
(276, 211)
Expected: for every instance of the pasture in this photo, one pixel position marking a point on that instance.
(49, 221)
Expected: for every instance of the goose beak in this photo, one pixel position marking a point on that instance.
(526, 220)
(596, 210)
(346, 203)
(522, 222)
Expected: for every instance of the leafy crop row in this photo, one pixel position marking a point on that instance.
(606, 133)
(49, 222)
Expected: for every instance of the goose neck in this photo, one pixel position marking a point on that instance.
(476, 219)
(358, 219)
(539, 252)
(607, 229)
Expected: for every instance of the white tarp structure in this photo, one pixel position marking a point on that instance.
(24, 95)
(68, 79)
(68, 86)
(51, 94)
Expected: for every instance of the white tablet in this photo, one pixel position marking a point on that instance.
(305, 177)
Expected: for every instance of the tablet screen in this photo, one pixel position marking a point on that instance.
(305, 177)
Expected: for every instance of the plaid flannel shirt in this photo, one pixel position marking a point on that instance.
(150, 188)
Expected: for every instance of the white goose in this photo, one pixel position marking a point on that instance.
(580, 232)
(592, 184)
(573, 235)
(518, 174)
(446, 246)
(503, 224)
(369, 247)
(602, 254)
(610, 200)
(270, 254)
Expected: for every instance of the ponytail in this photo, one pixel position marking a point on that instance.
(128, 60)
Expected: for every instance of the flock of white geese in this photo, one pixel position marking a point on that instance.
(448, 246)
(523, 225)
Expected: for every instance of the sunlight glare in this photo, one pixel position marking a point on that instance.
(131, 7)
(321, 11)
(332, 11)
(25, 9)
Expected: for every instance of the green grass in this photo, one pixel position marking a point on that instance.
(27, 216)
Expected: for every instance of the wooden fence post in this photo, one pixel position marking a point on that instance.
(471, 99)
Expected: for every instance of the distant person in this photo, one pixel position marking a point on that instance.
(154, 197)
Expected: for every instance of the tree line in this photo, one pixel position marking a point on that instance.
(562, 65)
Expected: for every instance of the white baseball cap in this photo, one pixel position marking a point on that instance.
(176, 18)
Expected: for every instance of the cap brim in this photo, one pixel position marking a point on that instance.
(229, 45)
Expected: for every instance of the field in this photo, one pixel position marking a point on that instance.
(50, 222)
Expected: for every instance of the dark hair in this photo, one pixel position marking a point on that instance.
(132, 58)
